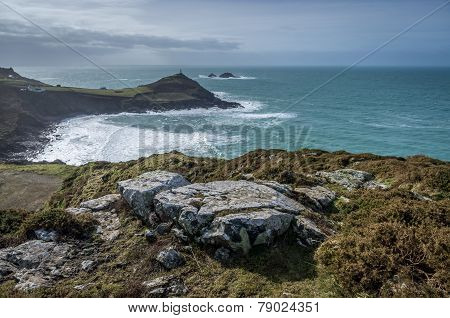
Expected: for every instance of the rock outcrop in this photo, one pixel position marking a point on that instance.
(140, 192)
(102, 203)
(234, 214)
(351, 179)
(212, 75)
(242, 231)
(319, 198)
(308, 232)
(36, 263)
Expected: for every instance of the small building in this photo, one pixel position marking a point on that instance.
(33, 89)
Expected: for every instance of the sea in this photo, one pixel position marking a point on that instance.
(381, 110)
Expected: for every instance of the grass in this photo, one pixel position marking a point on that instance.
(388, 243)
(52, 169)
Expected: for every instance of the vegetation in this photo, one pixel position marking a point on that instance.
(390, 243)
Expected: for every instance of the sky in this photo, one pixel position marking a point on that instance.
(223, 32)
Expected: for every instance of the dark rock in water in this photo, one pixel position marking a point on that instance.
(150, 236)
(212, 75)
(227, 75)
(170, 258)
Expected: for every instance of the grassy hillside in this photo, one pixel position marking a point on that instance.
(389, 242)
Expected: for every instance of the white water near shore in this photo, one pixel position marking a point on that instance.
(127, 136)
(386, 111)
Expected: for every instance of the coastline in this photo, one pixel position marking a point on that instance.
(29, 113)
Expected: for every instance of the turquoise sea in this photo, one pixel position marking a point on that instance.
(387, 111)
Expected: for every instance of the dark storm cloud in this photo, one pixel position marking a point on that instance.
(12, 32)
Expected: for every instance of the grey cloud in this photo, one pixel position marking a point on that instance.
(13, 31)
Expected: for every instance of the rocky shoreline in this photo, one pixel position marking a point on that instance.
(30, 108)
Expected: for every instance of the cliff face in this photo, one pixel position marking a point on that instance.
(27, 112)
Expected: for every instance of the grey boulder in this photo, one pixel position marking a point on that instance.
(170, 258)
(319, 197)
(242, 231)
(351, 179)
(165, 286)
(102, 203)
(140, 192)
(308, 232)
(195, 206)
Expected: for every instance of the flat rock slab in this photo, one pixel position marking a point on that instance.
(222, 197)
(140, 192)
(351, 179)
(241, 231)
(35, 263)
(234, 214)
(102, 203)
(102, 210)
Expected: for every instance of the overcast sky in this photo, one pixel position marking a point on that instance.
(228, 32)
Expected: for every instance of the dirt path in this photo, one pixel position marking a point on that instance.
(26, 190)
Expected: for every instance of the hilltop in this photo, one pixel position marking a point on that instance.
(29, 107)
(270, 223)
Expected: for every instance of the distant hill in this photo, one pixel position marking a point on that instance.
(28, 107)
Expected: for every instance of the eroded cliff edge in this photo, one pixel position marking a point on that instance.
(28, 107)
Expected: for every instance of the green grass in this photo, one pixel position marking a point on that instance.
(388, 243)
(52, 169)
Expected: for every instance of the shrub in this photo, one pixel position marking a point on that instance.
(10, 221)
(66, 224)
(396, 250)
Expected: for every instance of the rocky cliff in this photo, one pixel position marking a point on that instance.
(27, 112)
